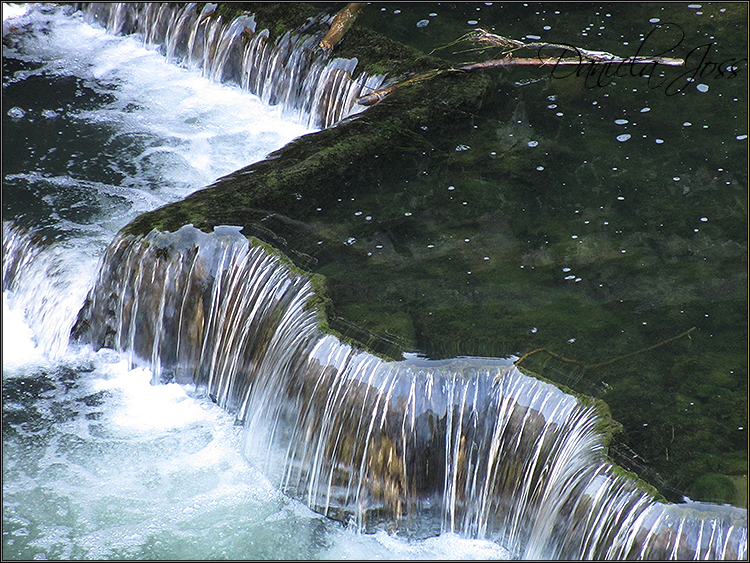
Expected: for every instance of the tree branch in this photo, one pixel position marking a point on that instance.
(510, 45)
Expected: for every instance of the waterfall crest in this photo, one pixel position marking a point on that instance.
(38, 282)
(312, 88)
(471, 445)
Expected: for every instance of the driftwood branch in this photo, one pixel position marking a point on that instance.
(510, 46)
(342, 21)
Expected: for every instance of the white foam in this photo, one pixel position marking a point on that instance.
(381, 545)
(19, 347)
(148, 407)
(179, 130)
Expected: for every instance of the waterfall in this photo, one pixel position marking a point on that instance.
(38, 282)
(312, 88)
(470, 446)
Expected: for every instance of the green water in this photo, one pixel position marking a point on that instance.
(589, 215)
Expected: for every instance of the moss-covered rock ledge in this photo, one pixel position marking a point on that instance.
(463, 216)
(289, 199)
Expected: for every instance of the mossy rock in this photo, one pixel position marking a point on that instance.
(402, 154)
(714, 487)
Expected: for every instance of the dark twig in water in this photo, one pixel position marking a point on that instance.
(601, 364)
(584, 55)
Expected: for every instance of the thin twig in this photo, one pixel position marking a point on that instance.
(601, 364)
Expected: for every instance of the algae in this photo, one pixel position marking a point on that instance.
(463, 216)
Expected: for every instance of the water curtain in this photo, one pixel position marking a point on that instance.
(471, 446)
(312, 87)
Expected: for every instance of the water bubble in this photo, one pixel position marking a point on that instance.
(621, 121)
(624, 137)
(533, 143)
(16, 112)
(472, 22)
(540, 168)
(658, 141)
(644, 110)
(702, 87)
(676, 178)
(620, 198)
(423, 23)
(462, 148)
(654, 20)
(432, 14)
(547, 27)
(566, 269)
(704, 219)
(687, 124)
(350, 241)
(533, 330)
(397, 12)
(533, 37)
(407, 214)
(451, 188)
(694, 6)
(741, 137)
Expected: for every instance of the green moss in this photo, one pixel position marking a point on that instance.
(405, 283)
(714, 487)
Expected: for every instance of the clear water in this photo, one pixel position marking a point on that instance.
(97, 463)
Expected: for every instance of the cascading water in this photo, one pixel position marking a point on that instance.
(291, 72)
(466, 448)
(98, 463)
